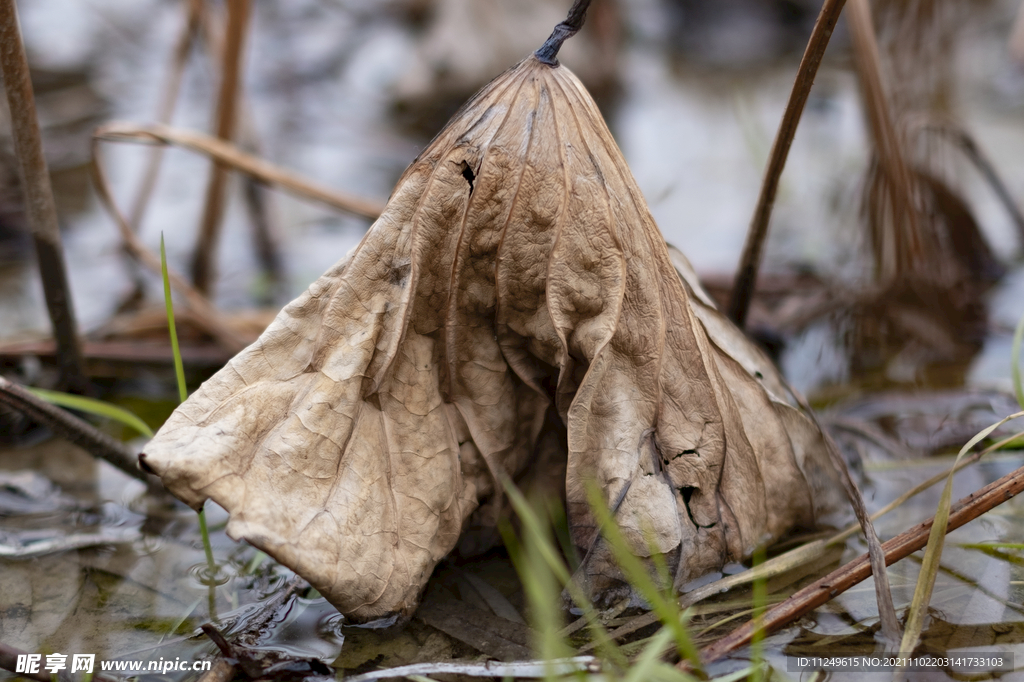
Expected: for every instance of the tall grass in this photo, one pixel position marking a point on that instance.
(179, 373)
(548, 582)
(933, 552)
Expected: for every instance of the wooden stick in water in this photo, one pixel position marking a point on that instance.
(39, 205)
(845, 577)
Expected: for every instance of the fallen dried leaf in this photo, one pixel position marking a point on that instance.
(515, 270)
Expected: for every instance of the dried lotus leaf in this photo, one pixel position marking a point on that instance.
(515, 286)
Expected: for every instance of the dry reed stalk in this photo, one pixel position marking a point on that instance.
(228, 154)
(39, 205)
(75, 430)
(267, 252)
(206, 315)
(263, 233)
(753, 248)
(895, 225)
(204, 256)
(883, 594)
(165, 110)
(825, 589)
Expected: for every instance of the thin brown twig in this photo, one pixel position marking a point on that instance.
(199, 25)
(39, 205)
(883, 594)
(746, 275)
(835, 583)
(230, 155)
(897, 238)
(204, 256)
(73, 429)
(264, 237)
(204, 312)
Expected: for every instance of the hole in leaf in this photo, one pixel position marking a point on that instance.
(687, 493)
(470, 176)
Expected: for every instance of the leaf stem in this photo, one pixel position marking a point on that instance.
(746, 274)
(204, 255)
(548, 52)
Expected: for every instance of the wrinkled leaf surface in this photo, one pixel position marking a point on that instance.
(514, 313)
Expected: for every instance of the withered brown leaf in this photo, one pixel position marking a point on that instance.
(515, 274)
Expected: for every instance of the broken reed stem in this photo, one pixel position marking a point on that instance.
(39, 205)
(753, 248)
(71, 428)
(267, 250)
(883, 594)
(230, 155)
(548, 52)
(208, 316)
(165, 111)
(205, 252)
(897, 242)
(823, 590)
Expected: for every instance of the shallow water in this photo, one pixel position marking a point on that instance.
(696, 138)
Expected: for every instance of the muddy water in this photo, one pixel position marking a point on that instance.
(317, 99)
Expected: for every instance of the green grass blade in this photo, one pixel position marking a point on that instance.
(933, 551)
(533, 527)
(993, 545)
(96, 407)
(645, 663)
(1018, 337)
(667, 608)
(542, 593)
(205, 533)
(179, 368)
(179, 373)
(254, 563)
